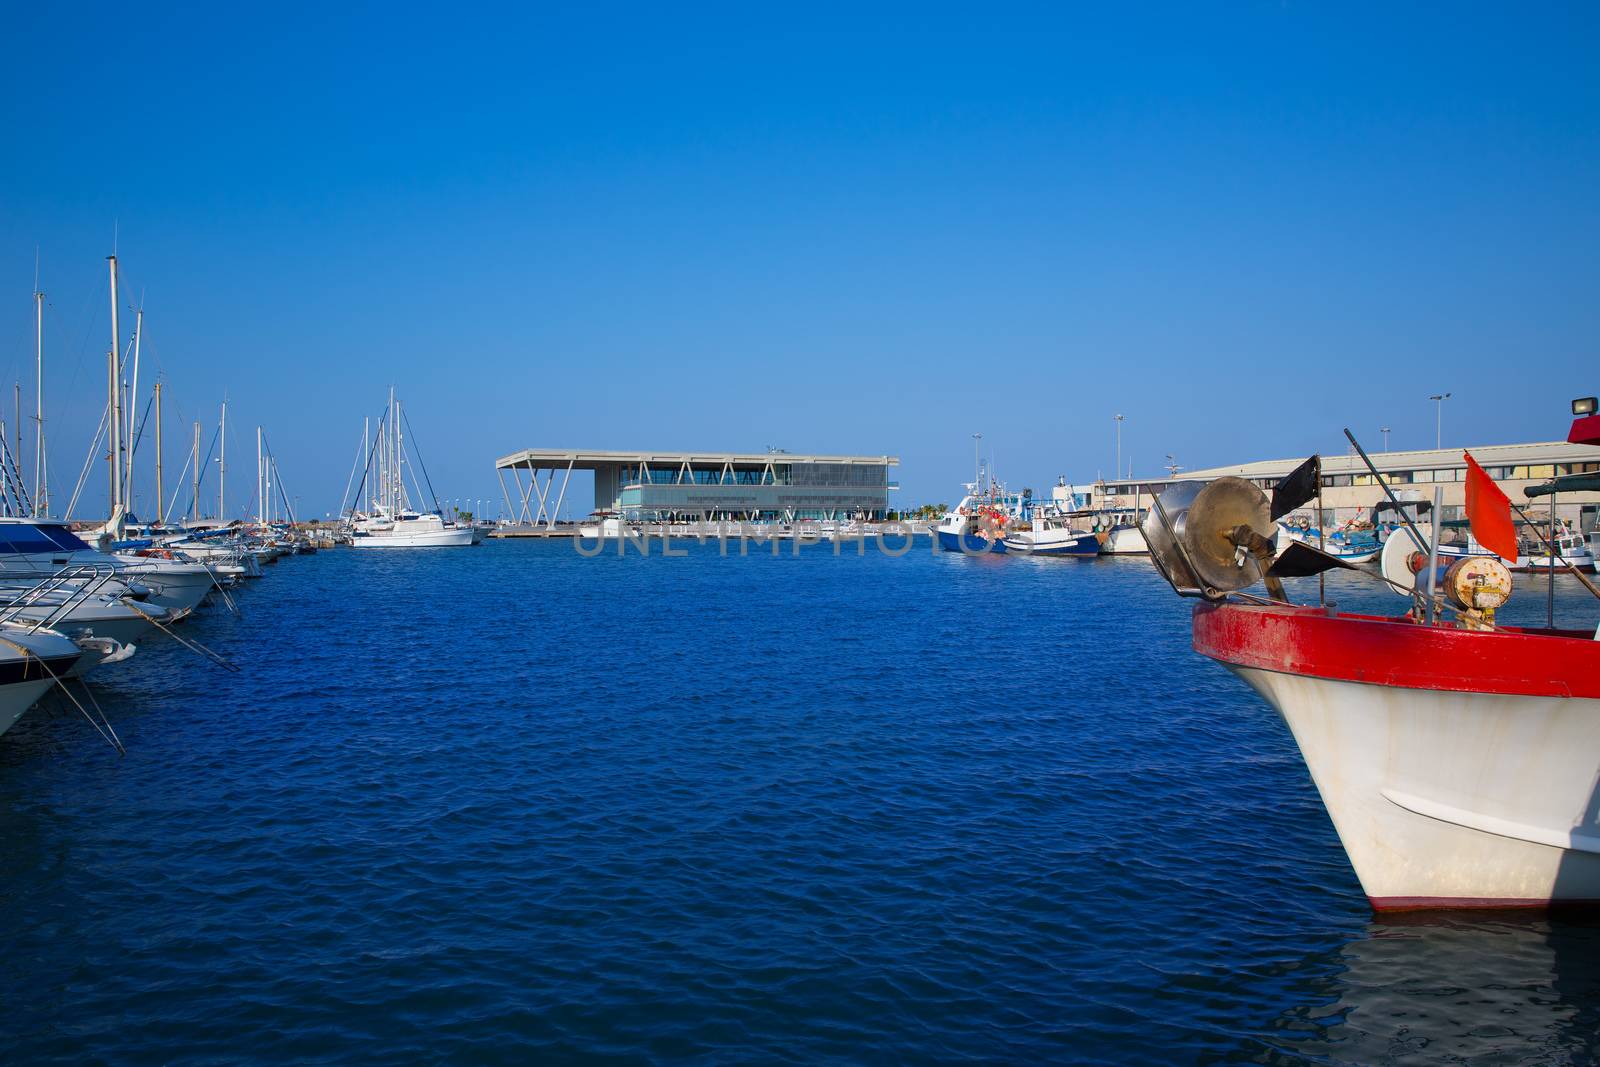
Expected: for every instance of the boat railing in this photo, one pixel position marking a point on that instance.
(73, 585)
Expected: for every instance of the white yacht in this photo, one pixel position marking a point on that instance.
(406, 529)
(389, 520)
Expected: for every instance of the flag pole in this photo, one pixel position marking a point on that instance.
(1550, 597)
(1322, 543)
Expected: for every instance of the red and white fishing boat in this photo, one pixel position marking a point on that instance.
(1458, 759)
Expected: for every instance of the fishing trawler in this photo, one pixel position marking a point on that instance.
(1458, 757)
(976, 525)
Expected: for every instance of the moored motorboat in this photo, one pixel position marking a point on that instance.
(1570, 554)
(1047, 534)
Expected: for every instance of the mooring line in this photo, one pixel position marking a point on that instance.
(193, 646)
(108, 734)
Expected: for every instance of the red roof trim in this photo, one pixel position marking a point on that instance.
(1394, 652)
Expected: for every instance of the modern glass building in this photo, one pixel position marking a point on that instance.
(682, 486)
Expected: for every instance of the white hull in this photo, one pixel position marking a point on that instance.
(30, 660)
(17, 698)
(177, 588)
(1125, 541)
(1450, 798)
(421, 539)
(1580, 560)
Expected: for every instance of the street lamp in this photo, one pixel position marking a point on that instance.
(1172, 466)
(1438, 419)
(1385, 431)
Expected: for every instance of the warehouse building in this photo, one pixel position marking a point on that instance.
(1349, 490)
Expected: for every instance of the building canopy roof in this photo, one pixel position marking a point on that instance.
(585, 459)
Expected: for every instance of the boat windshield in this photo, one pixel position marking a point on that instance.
(24, 538)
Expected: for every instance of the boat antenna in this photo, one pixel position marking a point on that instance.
(1416, 536)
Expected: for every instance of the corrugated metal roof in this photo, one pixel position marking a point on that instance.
(586, 459)
(1424, 459)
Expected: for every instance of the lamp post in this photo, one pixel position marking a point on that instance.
(1438, 419)
(1172, 466)
(1385, 431)
(1118, 468)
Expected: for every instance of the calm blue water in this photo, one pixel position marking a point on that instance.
(510, 804)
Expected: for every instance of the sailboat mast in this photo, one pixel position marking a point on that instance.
(160, 515)
(222, 462)
(114, 397)
(261, 502)
(196, 471)
(39, 506)
(389, 455)
(399, 461)
(132, 395)
(366, 458)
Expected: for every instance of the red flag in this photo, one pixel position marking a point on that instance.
(1489, 513)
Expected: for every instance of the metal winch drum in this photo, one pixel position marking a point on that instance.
(1479, 584)
(1200, 536)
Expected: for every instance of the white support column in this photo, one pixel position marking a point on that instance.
(519, 514)
(556, 511)
(500, 473)
(526, 515)
(544, 494)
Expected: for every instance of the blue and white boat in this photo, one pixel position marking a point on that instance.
(976, 526)
(1048, 533)
(1348, 547)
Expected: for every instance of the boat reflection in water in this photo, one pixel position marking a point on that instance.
(1444, 988)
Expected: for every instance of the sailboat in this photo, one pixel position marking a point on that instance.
(390, 521)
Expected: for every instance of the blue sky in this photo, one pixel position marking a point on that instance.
(827, 228)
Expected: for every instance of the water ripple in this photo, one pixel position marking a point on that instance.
(510, 803)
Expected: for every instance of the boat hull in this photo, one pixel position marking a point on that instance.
(1459, 769)
(17, 698)
(1561, 564)
(969, 543)
(447, 538)
(178, 589)
(29, 664)
(1125, 541)
(1082, 546)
